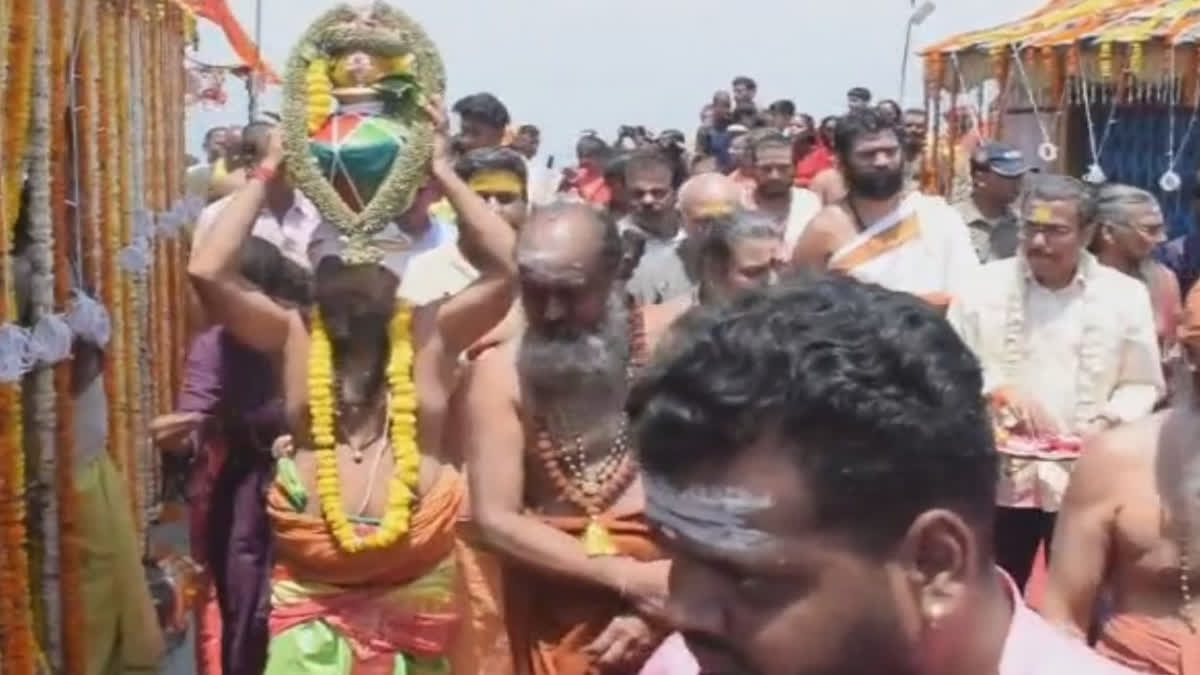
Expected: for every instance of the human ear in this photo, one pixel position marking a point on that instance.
(940, 553)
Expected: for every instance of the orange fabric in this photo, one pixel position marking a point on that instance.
(482, 647)
(218, 12)
(1189, 324)
(305, 550)
(550, 620)
(868, 250)
(1150, 645)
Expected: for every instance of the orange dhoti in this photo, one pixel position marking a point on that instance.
(380, 611)
(550, 620)
(1151, 645)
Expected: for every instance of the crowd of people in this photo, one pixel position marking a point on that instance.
(757, 402)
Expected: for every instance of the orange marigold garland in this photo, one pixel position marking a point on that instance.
(17, 101)
(70, 657)
(110, 287)
(7, 398)
(18, 649)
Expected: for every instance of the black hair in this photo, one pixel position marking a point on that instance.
(783, 107)
(591, 146)
(765, 138)
(744, 81)
(808, 119)
(212, 132)
(719, 237)
(491, 159)
(264, 265)
(889, 107)
(614, 168)
(251, 135)
(869, 392)
(648, 158)
(916, 111)
(483, 108)
(861, 93)
(529, 129)
(861, 122)
(1052, 187)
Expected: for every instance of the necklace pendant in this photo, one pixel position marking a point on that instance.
(597, 540)
(357, 456)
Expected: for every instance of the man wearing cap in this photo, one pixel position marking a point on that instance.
(996, 173)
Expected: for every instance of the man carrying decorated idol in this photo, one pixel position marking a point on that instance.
(364, 512)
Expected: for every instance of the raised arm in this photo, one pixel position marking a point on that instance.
(494, 443)
(1083, 535)
(228, 299)
(487, 242)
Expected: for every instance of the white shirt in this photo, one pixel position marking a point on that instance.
(1083, 351)
(291, 235)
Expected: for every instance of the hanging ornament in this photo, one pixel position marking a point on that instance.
(1170, 181)
(1048, 152)
(1095, 175)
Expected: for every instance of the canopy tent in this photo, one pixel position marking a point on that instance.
(1090, 39)
(1113, 84)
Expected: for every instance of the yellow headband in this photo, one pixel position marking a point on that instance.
(497, 181)
(714, 210)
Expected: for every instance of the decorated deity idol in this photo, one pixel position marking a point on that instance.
(354, 123)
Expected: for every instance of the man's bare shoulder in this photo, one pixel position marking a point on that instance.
(1124, 453)
(494, 368)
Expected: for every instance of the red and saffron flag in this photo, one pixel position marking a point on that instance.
(218, 12)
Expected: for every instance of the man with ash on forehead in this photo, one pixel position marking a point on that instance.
(819, 463)
(553, 482)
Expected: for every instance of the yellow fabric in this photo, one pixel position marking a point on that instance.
(122, 627)
(497, 182)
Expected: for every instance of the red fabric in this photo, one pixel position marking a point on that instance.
(208, 630)
(817, 160)
(218, 12)
(590, 185)
(375, 630)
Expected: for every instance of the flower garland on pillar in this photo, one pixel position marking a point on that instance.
(111, 292)
(127, 371)
(17, 101)
(88, 125)
(135, 224)
(41, 227)
(67, 647)
(18, 647)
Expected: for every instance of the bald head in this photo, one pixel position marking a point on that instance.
(568, 257)
(707, 196)
(568, 237)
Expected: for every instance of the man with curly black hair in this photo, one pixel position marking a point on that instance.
(818, 460)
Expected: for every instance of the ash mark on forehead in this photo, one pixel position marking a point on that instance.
(715, 516)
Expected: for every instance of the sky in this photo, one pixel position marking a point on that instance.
(569, 65)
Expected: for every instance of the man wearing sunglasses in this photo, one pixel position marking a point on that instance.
(997, 171)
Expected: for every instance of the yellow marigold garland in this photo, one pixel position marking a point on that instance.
(402, 420)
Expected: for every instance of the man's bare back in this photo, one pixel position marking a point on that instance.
(1115, 530)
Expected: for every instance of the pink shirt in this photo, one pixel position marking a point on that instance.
(291, 235)
(1033, 647)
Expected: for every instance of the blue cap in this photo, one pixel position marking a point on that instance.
(1003, 160)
